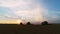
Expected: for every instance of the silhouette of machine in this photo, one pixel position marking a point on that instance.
(28, 23)
(45, 23)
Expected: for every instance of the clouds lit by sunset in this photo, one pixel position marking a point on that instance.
(30, 10)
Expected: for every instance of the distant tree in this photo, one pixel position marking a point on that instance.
(45, 23)
(28, 23)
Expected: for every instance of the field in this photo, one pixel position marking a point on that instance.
(29, 29)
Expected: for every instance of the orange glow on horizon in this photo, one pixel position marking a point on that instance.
(10, 21)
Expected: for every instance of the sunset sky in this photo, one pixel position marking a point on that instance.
(30, 10)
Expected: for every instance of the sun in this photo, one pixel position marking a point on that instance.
(19, 21)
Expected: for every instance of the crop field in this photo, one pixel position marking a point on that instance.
(29, 29)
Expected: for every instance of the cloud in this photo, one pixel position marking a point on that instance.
(33, 13)
(30, 10)
(14, 3)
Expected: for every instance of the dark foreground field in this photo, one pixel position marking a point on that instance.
(29, 29)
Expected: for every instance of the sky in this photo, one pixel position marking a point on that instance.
(30, 10)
